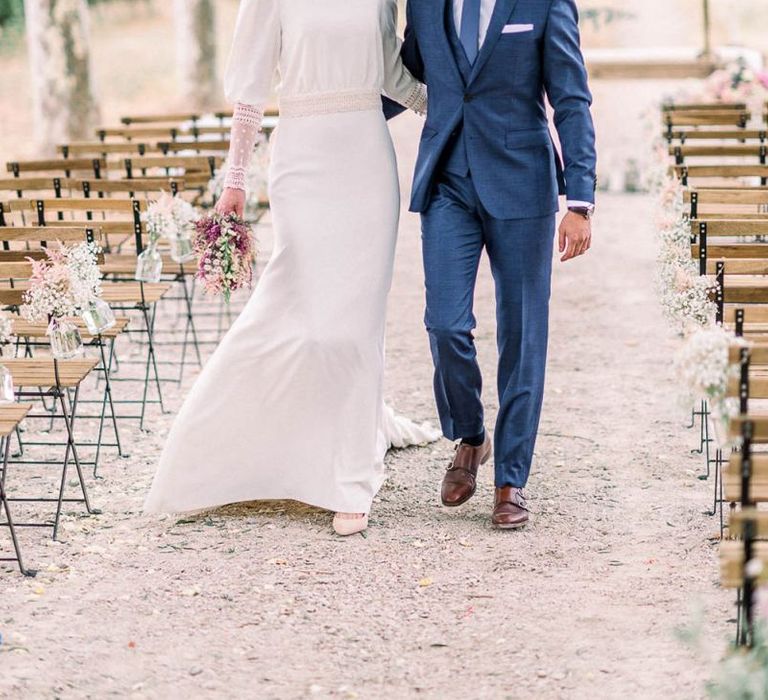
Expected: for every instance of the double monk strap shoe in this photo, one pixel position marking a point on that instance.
(510, 511)
(460, 480)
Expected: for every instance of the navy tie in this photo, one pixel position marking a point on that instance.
(470, 29)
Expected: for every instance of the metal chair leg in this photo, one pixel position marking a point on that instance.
(9, 519)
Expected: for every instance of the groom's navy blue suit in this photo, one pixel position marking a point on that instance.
(488, 176)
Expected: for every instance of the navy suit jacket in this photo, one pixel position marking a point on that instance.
(514, 165)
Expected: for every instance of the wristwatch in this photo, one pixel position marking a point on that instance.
(587, 211)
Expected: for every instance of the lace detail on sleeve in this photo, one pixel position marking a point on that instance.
(246, 126)
(417, 99)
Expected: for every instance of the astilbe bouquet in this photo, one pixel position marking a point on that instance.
(226, 250)
(63, 283)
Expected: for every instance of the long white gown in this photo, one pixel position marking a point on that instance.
(290, 406)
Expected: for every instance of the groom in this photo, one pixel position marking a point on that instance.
(488, 177)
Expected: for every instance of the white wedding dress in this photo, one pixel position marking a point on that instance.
(290, 406)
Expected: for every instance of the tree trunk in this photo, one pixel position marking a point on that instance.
(60, 61)
(196, 52)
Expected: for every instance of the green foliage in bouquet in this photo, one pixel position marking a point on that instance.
(743, 673)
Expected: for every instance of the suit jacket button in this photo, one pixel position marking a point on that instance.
(467, 98)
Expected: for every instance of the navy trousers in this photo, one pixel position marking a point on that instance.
(455, 229)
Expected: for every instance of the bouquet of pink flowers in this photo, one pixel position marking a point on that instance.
(226, 250)
(64, 283)
(736, 82)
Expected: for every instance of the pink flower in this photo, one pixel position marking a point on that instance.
(165, 204)
(682, 280)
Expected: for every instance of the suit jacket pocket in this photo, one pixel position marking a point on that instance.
(531, 160)
(527, 138)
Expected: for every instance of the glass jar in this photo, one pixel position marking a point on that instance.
(149, 265)
(182, 249)
(7, 393)
(65, 339)
(98, 317)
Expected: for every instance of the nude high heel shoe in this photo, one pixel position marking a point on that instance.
(346, 524)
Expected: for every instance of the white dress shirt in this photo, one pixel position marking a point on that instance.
(486, 10)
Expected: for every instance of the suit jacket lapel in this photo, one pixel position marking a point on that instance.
(438, 22)
(501, 13)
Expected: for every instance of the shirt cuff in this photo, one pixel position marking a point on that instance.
(576, 203)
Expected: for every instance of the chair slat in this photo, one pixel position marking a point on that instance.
(732, 563)
(731, 227)
(67, 232)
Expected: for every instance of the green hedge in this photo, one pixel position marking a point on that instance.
(12, 11)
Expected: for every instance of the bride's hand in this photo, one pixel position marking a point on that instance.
(232, 201)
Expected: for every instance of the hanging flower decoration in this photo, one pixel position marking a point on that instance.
(84, 273)
(686, 296)
(736, 82)
(703, 369)
(226, 251)
(169, 217)
(64, 283)
(6, 329)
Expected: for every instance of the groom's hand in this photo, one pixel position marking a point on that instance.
(575, 235)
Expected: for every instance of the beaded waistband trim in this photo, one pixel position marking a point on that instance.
(328, 103)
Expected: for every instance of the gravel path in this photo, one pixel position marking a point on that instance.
(263, 601)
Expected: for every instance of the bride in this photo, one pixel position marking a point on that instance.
(290, 405)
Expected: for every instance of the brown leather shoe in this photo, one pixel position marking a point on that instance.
(460, 481)
(510, 510)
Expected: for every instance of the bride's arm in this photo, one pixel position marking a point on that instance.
(399, 83)
(246, 126)
(248, 81)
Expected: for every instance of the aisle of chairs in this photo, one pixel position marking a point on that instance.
(69, 413)
(720, 155)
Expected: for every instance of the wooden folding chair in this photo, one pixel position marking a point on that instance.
(122, 296)
(746, 480)
(61, 381)
(11, 416)
(138, 294)
(15, 270)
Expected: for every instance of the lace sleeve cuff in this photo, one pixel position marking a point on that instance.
(246, 126)
(417, 99)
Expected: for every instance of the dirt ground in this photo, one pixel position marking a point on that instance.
(263, 601)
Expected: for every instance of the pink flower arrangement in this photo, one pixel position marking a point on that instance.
(63, 283)
(49, 292)
(226, 251)
(736, 82)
